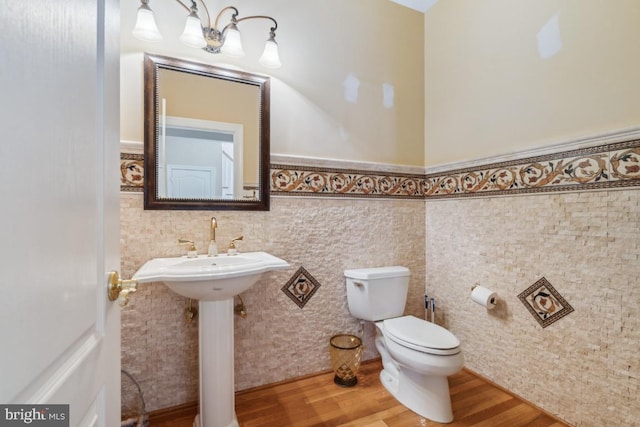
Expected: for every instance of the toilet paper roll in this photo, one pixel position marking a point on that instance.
(483, 296)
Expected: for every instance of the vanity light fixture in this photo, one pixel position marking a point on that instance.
(211, 39)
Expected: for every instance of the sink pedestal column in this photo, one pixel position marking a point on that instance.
(217, 386)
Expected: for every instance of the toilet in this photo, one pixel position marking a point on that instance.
(417, 356)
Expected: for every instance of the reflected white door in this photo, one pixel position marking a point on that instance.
(191, 182)
(59, 230)
(227, 171)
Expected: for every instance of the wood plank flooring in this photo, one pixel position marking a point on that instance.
(317, 402)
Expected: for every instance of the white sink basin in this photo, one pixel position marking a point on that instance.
(213, 281)
(209, 278)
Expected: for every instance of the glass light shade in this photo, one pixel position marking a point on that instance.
(146, 28)
(192, 34)
(270, 57)
(232, 43)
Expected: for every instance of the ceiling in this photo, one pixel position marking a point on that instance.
(419, 5)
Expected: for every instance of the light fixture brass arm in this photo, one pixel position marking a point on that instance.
(183, 5)
(275, 23)
(233, 18)
(206, 10)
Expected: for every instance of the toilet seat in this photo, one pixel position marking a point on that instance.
(420, 335)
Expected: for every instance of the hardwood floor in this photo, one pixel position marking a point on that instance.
(317, 401)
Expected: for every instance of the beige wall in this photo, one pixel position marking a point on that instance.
(321, 44)
(489, 92)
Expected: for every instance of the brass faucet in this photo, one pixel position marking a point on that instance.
(214, 225)
(213, 246)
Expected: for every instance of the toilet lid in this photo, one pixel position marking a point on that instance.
(421, 335)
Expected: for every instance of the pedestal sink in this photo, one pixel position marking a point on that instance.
(213, 281)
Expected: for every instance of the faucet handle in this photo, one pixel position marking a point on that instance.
(192, 252)
(232, 246)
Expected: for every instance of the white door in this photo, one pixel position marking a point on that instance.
(59, 133)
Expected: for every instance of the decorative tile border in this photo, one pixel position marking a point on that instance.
(301, 287)
(544, 303)
(594, 168)
(600, 167)
(310, 181)
(131, 172)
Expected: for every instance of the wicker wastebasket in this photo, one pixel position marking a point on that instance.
(346, 351)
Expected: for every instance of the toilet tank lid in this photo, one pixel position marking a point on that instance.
(377, 272)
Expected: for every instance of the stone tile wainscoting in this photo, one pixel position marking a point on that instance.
(279, 339)
(583, 368)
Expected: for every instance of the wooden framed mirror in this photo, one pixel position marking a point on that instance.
(206, 137)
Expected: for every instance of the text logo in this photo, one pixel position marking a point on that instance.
(34, 415)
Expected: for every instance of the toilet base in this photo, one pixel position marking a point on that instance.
(427, 396)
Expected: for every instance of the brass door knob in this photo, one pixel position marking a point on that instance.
(119, 289)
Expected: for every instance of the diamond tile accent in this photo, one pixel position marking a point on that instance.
(301, 287)
(544, 303)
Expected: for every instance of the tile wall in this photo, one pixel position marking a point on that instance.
(584, 367)
(278, 340)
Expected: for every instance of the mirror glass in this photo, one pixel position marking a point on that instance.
(206, 136)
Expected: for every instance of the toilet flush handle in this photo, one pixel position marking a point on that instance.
(359, 285)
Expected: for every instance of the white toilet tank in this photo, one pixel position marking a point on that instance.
(377, 293)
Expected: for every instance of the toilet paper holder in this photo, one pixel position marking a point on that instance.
(492, 300)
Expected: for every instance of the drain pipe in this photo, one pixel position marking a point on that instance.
(143, 419)
(239, 309)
